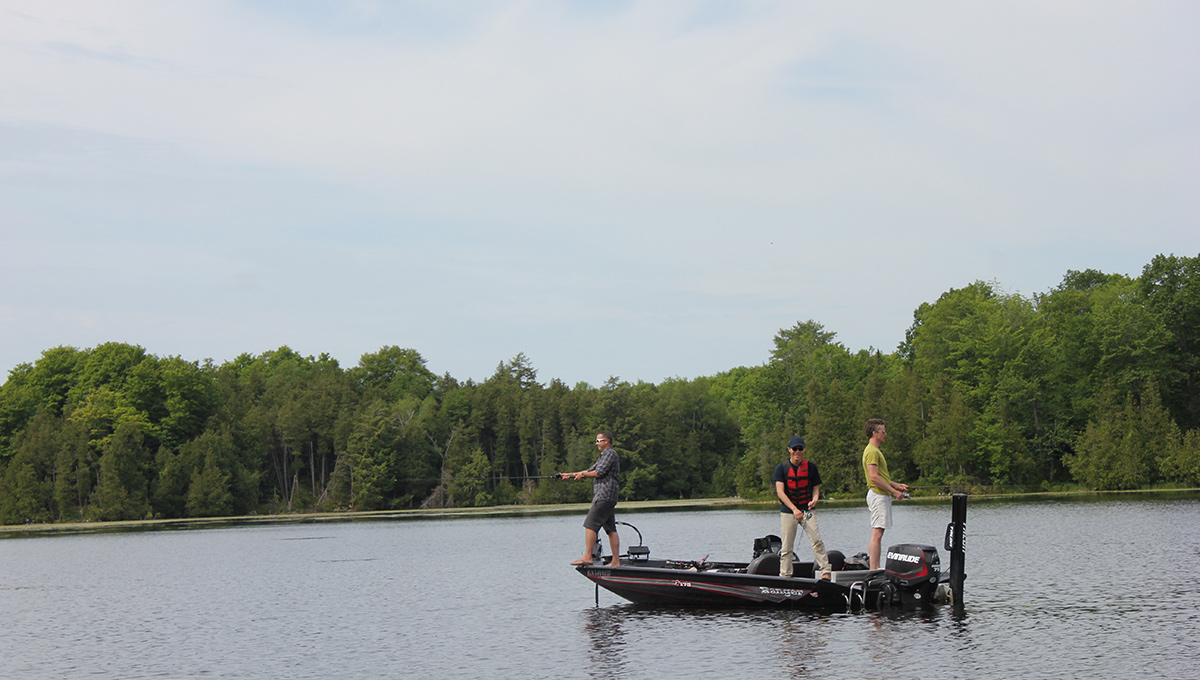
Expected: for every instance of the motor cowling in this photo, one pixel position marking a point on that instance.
(914, 569)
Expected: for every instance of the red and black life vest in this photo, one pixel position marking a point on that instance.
(798, 486)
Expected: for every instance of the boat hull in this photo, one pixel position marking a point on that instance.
(661, 584)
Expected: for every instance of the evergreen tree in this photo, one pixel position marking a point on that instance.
(122, 491)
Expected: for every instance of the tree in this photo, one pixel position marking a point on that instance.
(169, 490)
(31, 388)
(1129, 340)
(394, 373)
(189, 394)
(944, 453)
(802, 353)
(209, 493)
(122, 490)
(469, 485)
(993, 351)
(833, 435)
(27, 485)
(215, 478)
(391, 460)
(1181, 463)
(75, 469)
(1170, 286)
(1120, 449)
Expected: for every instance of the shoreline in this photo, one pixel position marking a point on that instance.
(68, 528)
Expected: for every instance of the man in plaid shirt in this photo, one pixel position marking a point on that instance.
(604, 500)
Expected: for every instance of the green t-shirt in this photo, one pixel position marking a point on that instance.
(873, 456)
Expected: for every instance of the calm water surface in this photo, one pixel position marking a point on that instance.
(1054, 590)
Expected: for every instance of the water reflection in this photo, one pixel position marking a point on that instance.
(800, 648)
(603, 628)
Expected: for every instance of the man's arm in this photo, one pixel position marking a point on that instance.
(878, 480)
(780, 490)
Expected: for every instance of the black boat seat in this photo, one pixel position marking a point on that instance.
(768, 564)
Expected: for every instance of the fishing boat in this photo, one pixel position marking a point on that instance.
(911, 577)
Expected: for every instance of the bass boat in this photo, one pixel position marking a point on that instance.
(911, 577)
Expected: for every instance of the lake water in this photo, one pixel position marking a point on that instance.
(1054, 589)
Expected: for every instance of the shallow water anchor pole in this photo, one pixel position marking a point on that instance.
(956, 543)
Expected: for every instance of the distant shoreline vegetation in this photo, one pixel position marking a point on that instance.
(68, 528)
(1092, 385)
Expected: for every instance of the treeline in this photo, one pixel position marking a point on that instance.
(1092, 383)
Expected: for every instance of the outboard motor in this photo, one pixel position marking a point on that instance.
(912, 573)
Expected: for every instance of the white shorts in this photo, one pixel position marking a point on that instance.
(881, 509)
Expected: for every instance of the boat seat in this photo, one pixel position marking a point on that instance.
(768, 564)
(803, 569)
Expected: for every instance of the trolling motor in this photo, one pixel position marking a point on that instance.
(636, 553)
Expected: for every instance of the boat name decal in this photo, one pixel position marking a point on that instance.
(683, 584)
(911, 559)
(785, 592)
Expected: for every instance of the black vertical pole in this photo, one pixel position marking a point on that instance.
(956, 543)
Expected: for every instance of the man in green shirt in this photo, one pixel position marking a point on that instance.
(880, 488)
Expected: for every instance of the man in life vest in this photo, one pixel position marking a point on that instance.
(798, 485)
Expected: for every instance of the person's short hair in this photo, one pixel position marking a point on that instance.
(872, 425)
(606, 435)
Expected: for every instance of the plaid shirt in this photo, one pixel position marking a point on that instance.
(604, 488)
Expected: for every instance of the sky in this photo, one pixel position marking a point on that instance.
(628, 189)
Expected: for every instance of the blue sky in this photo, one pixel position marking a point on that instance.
(643, 190)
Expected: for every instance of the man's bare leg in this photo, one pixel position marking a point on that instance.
(876, 546)
(614, 541)
(589, 543)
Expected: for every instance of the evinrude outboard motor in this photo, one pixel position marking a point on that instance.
(912, 572)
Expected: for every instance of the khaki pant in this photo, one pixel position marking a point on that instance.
(787, 527)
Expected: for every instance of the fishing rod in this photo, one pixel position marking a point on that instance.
(556, 475)
(969, 485)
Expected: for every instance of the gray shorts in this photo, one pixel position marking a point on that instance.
(602, 515)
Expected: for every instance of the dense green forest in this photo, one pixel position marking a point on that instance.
(1091, 385)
